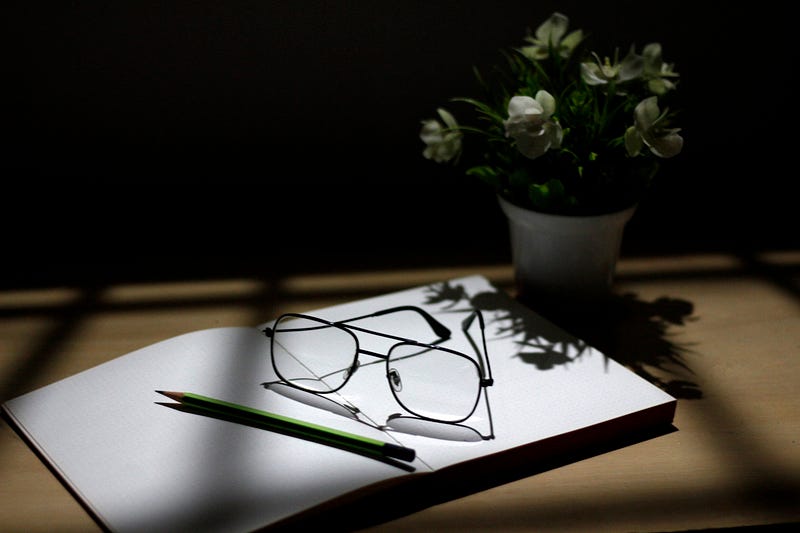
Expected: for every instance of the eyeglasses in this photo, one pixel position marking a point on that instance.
(429, 381)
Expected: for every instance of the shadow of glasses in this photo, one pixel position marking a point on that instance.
(396, 422)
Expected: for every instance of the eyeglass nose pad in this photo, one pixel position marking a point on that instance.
(394, 380)
(352, 370)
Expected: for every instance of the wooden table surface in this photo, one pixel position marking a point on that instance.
(720, 332)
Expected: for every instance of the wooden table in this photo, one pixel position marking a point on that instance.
(720, 332)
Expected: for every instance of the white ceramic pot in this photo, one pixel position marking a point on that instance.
(564, 260)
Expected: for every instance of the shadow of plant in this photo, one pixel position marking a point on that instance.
(636, 333)
(633, 332)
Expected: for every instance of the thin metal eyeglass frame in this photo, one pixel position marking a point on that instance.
(443, 332)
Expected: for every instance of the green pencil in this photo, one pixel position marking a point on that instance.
(291, 426)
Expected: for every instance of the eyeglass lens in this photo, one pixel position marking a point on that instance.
(432, 382)
(312, 355)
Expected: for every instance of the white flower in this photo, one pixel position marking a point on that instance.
(602, 72)
(529, 124)
(551, 33)
(656, 72)
(663, 142)
(443, 143)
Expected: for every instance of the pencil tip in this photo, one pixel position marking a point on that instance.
(172, 395)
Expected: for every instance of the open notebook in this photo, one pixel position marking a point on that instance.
(137, 465)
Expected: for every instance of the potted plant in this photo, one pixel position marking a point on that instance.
(570, 141)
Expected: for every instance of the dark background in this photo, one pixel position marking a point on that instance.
(198, 138)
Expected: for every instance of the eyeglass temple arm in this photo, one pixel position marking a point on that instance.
(465, 324)
(442, 331)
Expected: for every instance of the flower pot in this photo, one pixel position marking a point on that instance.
(563, 262)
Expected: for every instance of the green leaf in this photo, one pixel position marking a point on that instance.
(482, 107)
(548, 195)
(519, 178)
(486, 174)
